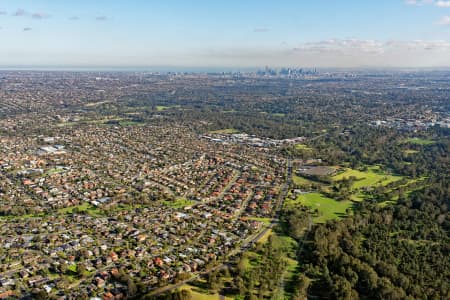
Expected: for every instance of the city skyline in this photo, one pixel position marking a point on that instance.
(233, 34)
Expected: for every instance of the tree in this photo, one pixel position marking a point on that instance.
(81, 270)
(40, 295)
(213, 281)
(239, 284)
(131, 288)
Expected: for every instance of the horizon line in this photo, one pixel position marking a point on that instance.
(166, 68)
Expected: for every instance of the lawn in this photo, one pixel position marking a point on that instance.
(367, 178)
(179, 203)
(263, 220)
(303, 147)
(328, 208)
(409, 151)
(302, 180)
(163, 107)
(72, 268)
(287, 246)
(265, 237)
(419, 141)
(91, 104)
(126, 207)
(87, 207)
(225, 131)
(420, 186)
(55, 171)
(69, 210)
(199, 294)
(91, 121)
(291, 270)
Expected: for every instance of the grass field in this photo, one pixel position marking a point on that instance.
(367, 178)
(162, 107)
(198, 294)
(179, 203)
(87, 207)
(303, 147)
(121, 121)
(291, 272)
(263, 220)
(55, 171)
(225, 131)
(409, 151)
(265, 237)
(286, 244)
(419, 185)
(302, 180)
(328, 208)
(419, 141)
(72, 268)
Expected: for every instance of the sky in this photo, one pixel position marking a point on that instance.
(231, 33)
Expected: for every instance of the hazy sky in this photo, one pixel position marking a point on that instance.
(231, 33)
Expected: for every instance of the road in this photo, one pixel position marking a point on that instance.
(159, 291)
(246, 244)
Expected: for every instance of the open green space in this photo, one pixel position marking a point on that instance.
(200, 294)
(163, 107)
(410, 151)
(265, 237)
(419, 184)
(419, 141)
(72, 268)
(93, 104)
(85, 207)
(179, 203)
(26, 216)
(55, 171)
(303, 147)
(263, 220)
(252, 260)
(302, 181)
(225, 131)
(101, 121)
(373, 176)
(291, 274)
(286, 244)
(327, 208)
